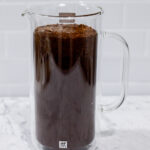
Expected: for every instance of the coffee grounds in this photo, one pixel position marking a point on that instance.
(65, 72)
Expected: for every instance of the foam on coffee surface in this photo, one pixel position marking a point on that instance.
(67, 30)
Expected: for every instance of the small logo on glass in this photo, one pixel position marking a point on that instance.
(63, 144)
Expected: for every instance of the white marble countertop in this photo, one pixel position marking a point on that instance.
(127, 128)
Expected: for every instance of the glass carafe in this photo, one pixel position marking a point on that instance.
(65, 40)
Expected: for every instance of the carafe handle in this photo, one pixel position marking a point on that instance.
(118, 102)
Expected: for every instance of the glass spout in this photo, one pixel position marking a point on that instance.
(27, 12)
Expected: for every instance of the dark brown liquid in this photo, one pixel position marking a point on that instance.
(65, 72)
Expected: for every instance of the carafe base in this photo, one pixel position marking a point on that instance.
(87, 147)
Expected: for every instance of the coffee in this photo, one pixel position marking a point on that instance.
(65, 74)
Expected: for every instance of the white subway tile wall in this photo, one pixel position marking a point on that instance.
(113, 15)
(10, 16)
(137, 15)
(130, 18)
(15, 50)
(2, 51)
(14, 71)
(137, 42)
